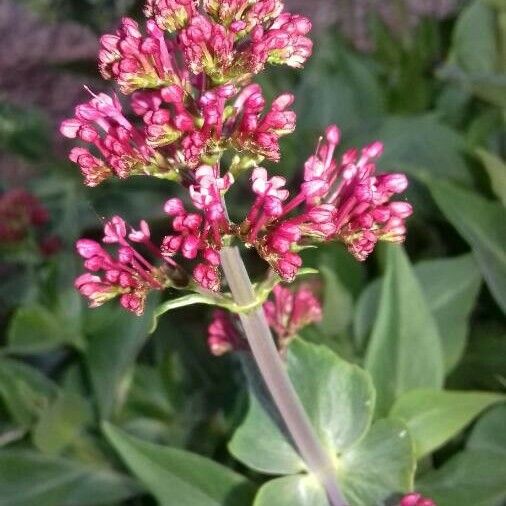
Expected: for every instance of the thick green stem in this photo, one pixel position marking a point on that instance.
(273, 372)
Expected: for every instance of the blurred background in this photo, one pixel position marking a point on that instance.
(427, 77)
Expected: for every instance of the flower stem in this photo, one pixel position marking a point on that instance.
(273, 372)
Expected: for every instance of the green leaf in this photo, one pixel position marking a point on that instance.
(471, 478)
(115, 338)
(379, 465)
(423, 147)
(60, 423)
(187, 300)
(28, 478)
(35, 329)
(488, 433)
(405, 351)
(480, 222)
(474, 477)
(338, 304)
(24, 390)
(496, 169)
(476, 54)
(450, 286)
(337, 396)
(371, 463)
(177, 477)
(292, 491)
(434, 417)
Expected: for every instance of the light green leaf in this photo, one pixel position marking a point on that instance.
(434, 417)
(60, 423)
(380, 465)
(474, 39)
(496, 169)
(187, 300)
(371, 463)
(405, 350)
(338, 304)
(481, 224)
(296, 490)
(24, 390)
(35, 329)
(476, 476)
(115, 338)
(337, 396)
(450, 286)
(179, 478)
(28, 478)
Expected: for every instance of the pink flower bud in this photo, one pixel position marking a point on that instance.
(174, 207)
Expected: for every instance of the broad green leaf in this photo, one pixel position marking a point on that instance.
(496, 169)
(24, 390)
(405, 350)
(179, 478)
(450, 286)
(475, 476)
(60, 423)
(481, 224)
(488, 433)
(371, 463)
(35, 329)
(474, 39)
(434, 417)
(338, 304)
(296, 490)
(28, 478)
(115, 338)
(379, 466)
(471, 478)
(337, 396)
(424, 147)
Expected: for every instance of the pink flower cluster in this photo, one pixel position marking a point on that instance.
(128, 275)
(189, 80)
(343, 200)
(287, 314)
(19, 212)
(416, 500)
(187, 88)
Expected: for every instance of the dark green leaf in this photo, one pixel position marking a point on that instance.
(115, 338)
(176, 477)
(405, 350)
(496, 169)
(481, 223)
(60, 423)
(28, 478)
(35, 329)
(24, 390)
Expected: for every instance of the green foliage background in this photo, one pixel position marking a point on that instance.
(404, 378)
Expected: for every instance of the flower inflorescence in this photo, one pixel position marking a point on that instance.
(188, 75)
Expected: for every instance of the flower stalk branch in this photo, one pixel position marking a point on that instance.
(271, 367)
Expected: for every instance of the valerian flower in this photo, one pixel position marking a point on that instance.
(188, 78)
(416, 499)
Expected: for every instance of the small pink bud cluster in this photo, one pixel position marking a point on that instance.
(120, 146)
(343, 201)
(129, 275)
(20, 211)
(287, 314)
(416, 500)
